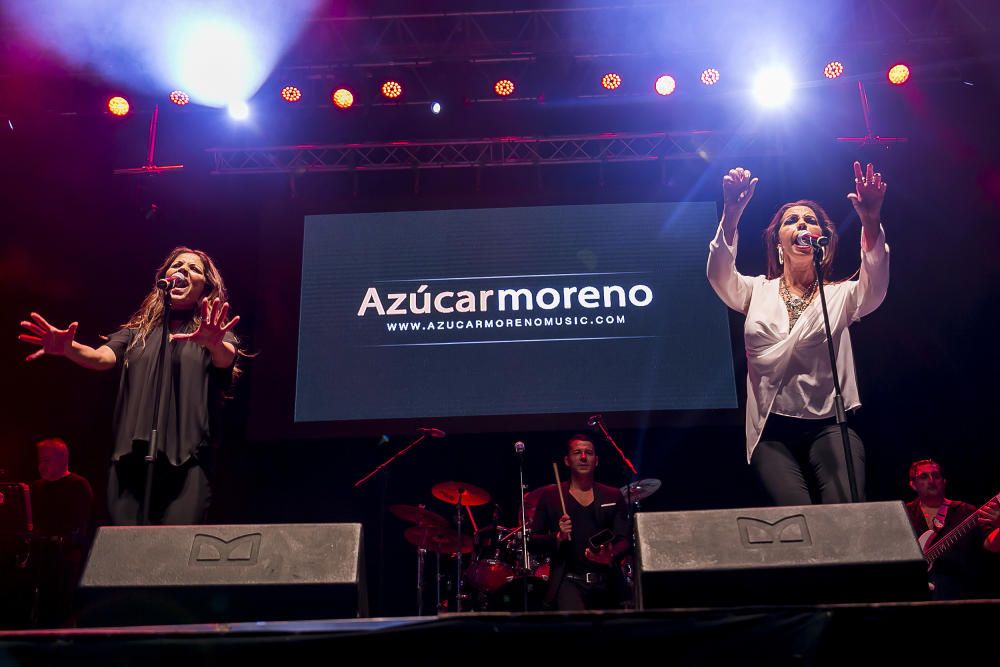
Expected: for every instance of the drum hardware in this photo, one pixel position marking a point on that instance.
(460, 494)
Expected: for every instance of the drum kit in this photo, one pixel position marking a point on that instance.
(493, 561)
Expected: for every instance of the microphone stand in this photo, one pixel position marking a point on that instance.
(420, 558)
(420, 438)
(838, 398)
(154, 437)
(519, 448)
(629, 467)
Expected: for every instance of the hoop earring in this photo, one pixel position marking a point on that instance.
(781, 256)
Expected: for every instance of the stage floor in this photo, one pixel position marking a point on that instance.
(794, 635)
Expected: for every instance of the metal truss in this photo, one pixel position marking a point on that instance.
(496, 152)
(397, 39)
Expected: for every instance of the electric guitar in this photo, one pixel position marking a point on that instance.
(951, 538)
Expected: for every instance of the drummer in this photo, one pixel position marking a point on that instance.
(586, 539)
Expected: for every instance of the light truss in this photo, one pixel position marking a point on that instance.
(586, 30)
(491, 152)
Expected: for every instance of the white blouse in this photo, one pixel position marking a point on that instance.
(789, 372)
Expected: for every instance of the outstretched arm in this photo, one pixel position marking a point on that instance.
(734, 289)
(867, 198)
(60, 343)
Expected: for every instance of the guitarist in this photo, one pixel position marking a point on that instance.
(960, 572)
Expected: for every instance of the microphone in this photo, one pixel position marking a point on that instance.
(805, 239)
(519, 448)
(594, 420)
(433, 432)
(172, 281)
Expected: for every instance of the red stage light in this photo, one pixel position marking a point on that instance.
(291, 94)
(179, 97)
(392, 89)
(899, 74)
(118, 106)
(503, 87)
(665, 85)
(342, 98)
(710, 76)
(611, 81)
(833, 69)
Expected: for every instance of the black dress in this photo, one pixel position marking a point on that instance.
(190, 401)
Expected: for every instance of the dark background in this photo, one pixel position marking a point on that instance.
(79, 243)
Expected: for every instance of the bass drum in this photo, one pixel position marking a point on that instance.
(489, 574)
(511, 596)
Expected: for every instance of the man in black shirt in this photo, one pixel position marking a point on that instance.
(585, 541)
(61, 501)
(61, 504)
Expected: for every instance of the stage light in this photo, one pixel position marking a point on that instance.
(611, 81)
(179, 97)
(710, 76)
(238, 110)
(436, 108)
(665, 85)
(392, 89)
(899, 74)
(772, 87)
(503, 87)
(291, 94)
(342, 98)
(118, 106)
(833, 69)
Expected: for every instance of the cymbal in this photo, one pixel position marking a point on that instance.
(644, 488)
(452, 492)
(434, 538)
(418, 515)
(445, 544)
(422, 537)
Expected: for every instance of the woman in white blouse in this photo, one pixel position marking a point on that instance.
(793, 441)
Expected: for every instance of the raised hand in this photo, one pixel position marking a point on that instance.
(213, 326)
(737, 189)
(50, 339)
(869, 192)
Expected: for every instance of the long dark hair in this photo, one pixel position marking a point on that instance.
(774, 269)
(150, 313)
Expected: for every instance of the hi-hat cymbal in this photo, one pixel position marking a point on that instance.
(455, 493)
(418, 515)
(644, 488)
(435, 539)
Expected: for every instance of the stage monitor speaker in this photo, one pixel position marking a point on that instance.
(863, 552)
(205, 574)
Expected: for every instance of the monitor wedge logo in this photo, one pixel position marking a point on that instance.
(211, 550)
(791, 530)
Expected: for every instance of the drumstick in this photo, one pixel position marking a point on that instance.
(562, 501)
(475, 528)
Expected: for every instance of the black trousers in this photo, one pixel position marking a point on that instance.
(181, 494)
(801, 461)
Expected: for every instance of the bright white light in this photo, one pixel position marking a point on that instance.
(215, 51)
(436, 108)
(238, 110)
(215, 62)
(772, 88)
